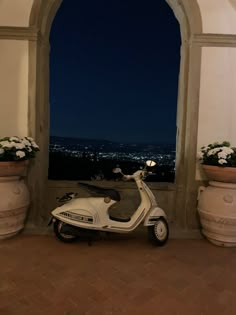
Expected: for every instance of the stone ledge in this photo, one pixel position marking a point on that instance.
(19, 33)
(175, 233)
(214, 40)
(110, 183)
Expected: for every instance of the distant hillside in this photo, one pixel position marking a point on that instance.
(74, 140)
(89, 141)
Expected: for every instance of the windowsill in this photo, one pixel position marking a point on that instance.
(110, 184)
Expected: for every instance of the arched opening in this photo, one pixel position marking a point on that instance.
(180, 197)
(113, 89)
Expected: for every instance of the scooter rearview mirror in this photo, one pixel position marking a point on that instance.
(150, 163)
(116, 170)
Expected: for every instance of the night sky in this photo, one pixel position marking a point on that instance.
(114, 68)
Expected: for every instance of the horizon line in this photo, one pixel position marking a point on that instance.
(115, 141)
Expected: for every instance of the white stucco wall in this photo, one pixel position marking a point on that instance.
(217, 109)
(218, 16)
(15, 12)
(217, 103)
(13, 88)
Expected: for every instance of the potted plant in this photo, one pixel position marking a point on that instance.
(219, 161)
(217, 201)
(15, 153)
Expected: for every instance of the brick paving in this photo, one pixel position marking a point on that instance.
(121, 275)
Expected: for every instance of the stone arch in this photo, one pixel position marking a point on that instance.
(189, 16)
(184, 196)
(43, 14)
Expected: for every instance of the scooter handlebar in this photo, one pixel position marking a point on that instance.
(127, 177)
(138, 174)
(142, 174)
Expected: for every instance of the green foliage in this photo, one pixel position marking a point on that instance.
(17, 149)
(218, 154)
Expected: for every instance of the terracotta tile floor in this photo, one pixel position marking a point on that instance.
(40, 275)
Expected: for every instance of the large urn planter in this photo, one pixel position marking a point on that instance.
(14, 200)
(217, 205)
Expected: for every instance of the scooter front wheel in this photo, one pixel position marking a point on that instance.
(66, 238)
(159, 232)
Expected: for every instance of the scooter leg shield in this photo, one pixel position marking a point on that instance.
(154, 214)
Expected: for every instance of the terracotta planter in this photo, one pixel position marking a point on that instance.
(217, 206)
(221, 174)
(14, 199)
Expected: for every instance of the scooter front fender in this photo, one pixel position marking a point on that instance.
(153, 215)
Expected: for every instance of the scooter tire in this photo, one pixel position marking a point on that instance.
(63, 237)
(159, 232)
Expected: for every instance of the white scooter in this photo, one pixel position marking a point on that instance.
(78, 217)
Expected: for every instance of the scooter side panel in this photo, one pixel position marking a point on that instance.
(83, 212)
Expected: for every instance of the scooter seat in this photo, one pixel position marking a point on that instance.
(105, 192)
(119, 219)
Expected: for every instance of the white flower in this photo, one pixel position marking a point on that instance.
(7, 144)
(34, 145)
(227, 150)
(218, 154)
(222, 155)
(222, 161)
(20, 154)
(26, 142)
(14, 139)
(29, 138)
(19, 146)
(213, 151)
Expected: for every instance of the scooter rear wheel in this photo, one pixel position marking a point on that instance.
(159, 232)
(61, 236)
